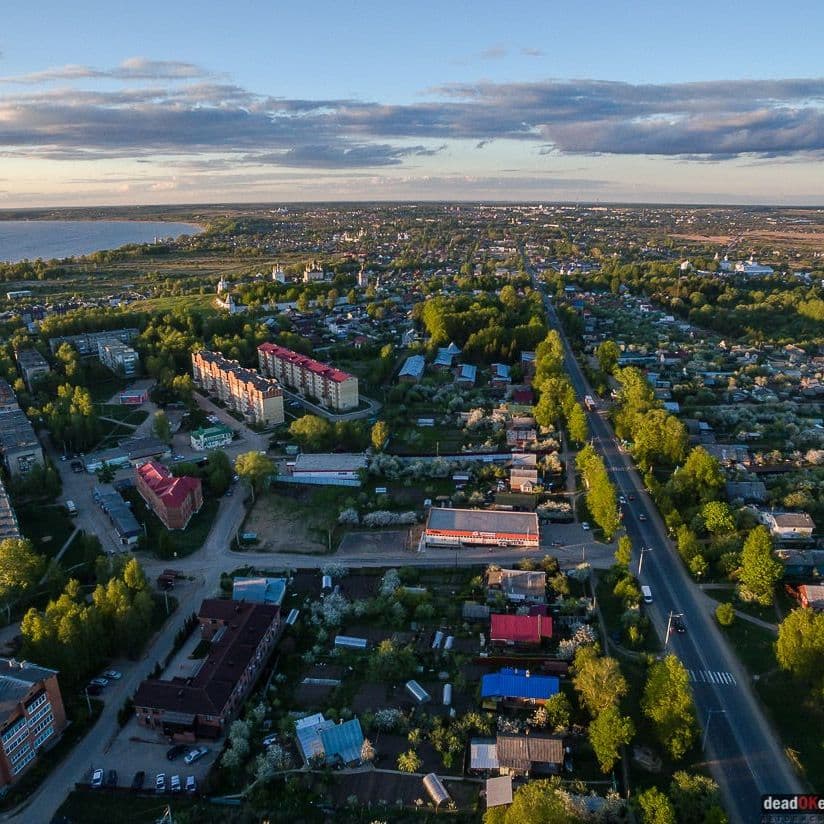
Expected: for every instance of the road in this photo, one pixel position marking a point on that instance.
(745, 754)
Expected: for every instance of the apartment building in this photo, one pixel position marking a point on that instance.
(32, 365)
(259, 399)
(88, 343)
(173, 500)
(330, 387)
(31, 715)
(119, 357)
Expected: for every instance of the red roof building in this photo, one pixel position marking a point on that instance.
(520, 629)
(173, 500)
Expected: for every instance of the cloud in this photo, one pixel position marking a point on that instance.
(134, 68)
(527, 52)
(494, 53)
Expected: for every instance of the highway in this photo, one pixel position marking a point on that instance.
(744, 753)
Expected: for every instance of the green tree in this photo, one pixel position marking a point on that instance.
(655, 807)
(311, 432)
(667, 702)
(725, 614)
(254, 468)
(800, 645)
(218, 471)
(760, 570)
(608, 354)
(623, 553)
(133, 575)
(106, 473)
(20, 569)
(718, 517)
(577, 425)
(598, 680)
(379, 435)
(700, 478)
(161, 427)
(409, 761)
(696, 799)
(539, 800)
(608, 732)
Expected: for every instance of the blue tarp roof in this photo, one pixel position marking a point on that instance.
(344, 740)
(512, 683)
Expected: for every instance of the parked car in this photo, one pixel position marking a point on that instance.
(113, 675)
(176, 751)
(270, 739)
(585, 526)
(191, 784)
(111, 778)
(138, 780)
(621, 499)
(97, 778)
(94, 689)
(160, 783)
(175, 784)
(196, 754)
(100, 682)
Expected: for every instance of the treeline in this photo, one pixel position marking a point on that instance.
(31, 270)
(76, 636)
(602, 502)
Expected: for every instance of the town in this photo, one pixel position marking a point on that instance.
(382, 512)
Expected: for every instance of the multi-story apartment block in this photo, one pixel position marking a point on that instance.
(31, 365)
(119, 357)
(88, 343)
(258, 399)
(31, 715)
(330, 387)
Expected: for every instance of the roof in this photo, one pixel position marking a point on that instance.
(796, 520)
(512, 683)
(520, 629)
(473, 610)
(522, 751)
(211, 431)
(230, 655)
(483, 754)
(259, 590)
(434, 786)
(413, 366)
(343, 741)
(519, 583)
(330, 462)
(250, 377)
(17, 679)
(814, 594)
(482, 520)
(500, 372)
(170, 490)
(305, 362)
(443, 358)
(468, 372)
(498, 791)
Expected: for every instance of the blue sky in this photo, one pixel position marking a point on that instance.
(198, 102)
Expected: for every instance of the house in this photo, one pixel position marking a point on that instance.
(518, 686)
(322, 740)
(9, 528)
(788, 526)
(119, 357)
(747, 491)
(518, 584)
(32, 716)
(211, 437)
(412, 369)
(522, 479)
(19, 445)
(173, 500)
(472, 611)
(501, 376)
(88, 343)
(466, 374)
(259, 590)
(133, 397)
(498, 791)
(519, 630)
(480, 527)
(241, 638)
(446, 356)
(483, 754)
(521, 754)
(119, 513)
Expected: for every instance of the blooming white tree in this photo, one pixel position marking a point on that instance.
(390, 582)
(349, 517)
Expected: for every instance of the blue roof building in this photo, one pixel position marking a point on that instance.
(259, 590)
(518, 685)
(412, 370)
(343, 742)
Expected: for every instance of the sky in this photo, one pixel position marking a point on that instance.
(265, 101)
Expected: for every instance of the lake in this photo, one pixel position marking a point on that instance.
(47, 239)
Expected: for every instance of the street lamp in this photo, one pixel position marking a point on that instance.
(707, 726)
(669, 624)
(641, 559)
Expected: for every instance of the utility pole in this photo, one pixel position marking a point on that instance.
(88, 700)
(641, 559)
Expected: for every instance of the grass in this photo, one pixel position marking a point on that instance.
(752, 644)
(124, 414)
(47, 527)
(169, 304)
(81, 722)
(103, 807)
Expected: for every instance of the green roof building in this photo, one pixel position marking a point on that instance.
(211, 437)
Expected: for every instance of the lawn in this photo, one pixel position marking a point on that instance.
(47, 527)
(102, 807)
(752, 644)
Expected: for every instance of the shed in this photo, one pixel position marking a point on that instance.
(417, 692)
(434, 786)
(498, 791)
(483, 754)
(350, 642)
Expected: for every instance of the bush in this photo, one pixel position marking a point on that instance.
(725, 614)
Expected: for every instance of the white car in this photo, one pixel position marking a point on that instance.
(175, 784)
(195, 755)
(585, 526)
(160, 783)
(191, 784)
(97, 778)
(113, 675)
(269, 740)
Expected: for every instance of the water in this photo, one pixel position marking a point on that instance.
(47, 239)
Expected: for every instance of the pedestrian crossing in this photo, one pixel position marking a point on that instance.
(712, 677)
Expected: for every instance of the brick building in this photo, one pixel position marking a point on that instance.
(31, 715)
(332, 388)
(257, 398)
(242, 637)
(173, 500)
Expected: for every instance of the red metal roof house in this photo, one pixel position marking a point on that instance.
(520, 629)
(173, 500)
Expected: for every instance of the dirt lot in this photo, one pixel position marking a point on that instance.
(374, 788)
(375, 542)
(285, 524)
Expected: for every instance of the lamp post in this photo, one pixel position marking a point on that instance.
(641, 559)
(669, 624)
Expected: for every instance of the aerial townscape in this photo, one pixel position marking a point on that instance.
(378, 483)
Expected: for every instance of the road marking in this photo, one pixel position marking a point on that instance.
(712, 677)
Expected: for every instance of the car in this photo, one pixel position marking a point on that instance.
(111, 778)
(642, 517)
(678, 624)
(196, 754)
(176, 751)
(97, 778)
(175, 784)
(269, 740)
(235, 478)
(160, 783)
(621, 499)
(76, 466)
(138, 780)
(113, 675)
(94, 689)
(191, 784)
(585, 526)
(100, 682)
(63, 458)
(229, 492)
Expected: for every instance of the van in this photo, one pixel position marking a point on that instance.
(646, 594)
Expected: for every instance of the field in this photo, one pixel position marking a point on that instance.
(47, 527)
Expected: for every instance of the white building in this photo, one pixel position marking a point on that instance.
(788, 526)
(120, 358)
(328, 468)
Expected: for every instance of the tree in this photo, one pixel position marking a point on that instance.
(623, 553)
(760, 570)
(598, 680)
(800, 645)
(409, 761)
(608, 732)
(577, 425)
(541, 800)
(717, 517)
(311, 431)
(608, 354)
(106, 472)
(380, 434)
(725, 614)
(700, 477)
(161, 427)
(667, 702)
(655, 807)
(558, 711)
(254, 468)
(20, 569)
(696, 799)
(133, 575)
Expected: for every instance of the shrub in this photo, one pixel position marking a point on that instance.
(725, 614)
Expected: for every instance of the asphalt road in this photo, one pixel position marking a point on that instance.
(745, 754)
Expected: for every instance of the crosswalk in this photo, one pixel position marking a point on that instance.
(712, 677)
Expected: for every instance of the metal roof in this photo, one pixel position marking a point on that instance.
(343, 741)
(483, 754)
(482, 520)
(498, 791)
(330, 462)
(259, 590)
(512, 683)
(435, 788)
